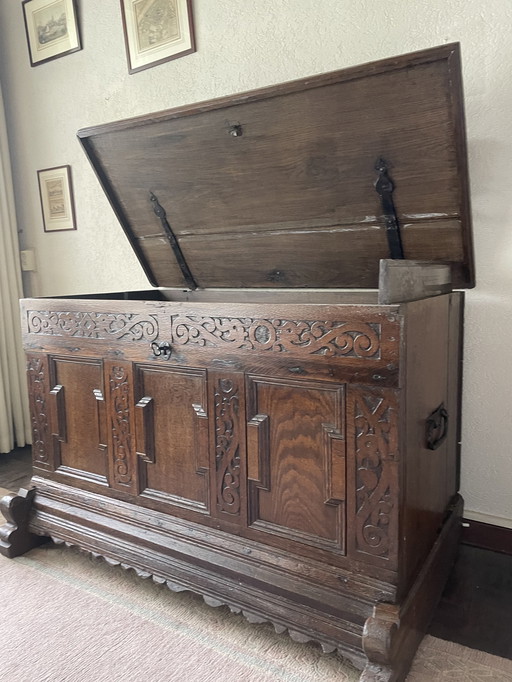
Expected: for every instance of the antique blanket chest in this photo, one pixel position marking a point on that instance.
(252, 430)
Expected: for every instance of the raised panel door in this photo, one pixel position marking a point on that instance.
(296, 461)
(171, 426)
(78, 418)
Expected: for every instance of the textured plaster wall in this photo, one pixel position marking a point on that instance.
(243, 44)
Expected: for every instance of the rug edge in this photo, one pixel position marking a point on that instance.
(444, 646)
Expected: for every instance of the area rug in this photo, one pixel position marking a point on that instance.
(66, 617)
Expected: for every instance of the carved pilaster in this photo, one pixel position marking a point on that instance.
(120, 394)
(37, 374)
(227, 446)
(373, 417)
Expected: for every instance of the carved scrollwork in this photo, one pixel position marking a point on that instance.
(39, 417)
(121, 436)
(93, 325)
(376, 477)
(358, 340)
(227, 446)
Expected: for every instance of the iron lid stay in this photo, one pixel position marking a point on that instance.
(171, 237)
(385, 187)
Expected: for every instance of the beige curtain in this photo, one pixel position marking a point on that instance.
(14, 416)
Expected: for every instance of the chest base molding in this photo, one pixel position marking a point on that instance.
(360, 617)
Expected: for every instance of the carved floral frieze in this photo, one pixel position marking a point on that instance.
(129, 326)
(314, 337)
(359, 340)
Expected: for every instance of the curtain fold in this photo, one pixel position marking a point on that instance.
(14, 414)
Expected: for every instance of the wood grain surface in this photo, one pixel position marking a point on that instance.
(290, 200)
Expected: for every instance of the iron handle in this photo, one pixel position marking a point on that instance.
(437, 427)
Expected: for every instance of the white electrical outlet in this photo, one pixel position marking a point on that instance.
(28, 260)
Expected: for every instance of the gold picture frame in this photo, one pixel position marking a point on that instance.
(56, 192)
(156, 31)
(52, 29)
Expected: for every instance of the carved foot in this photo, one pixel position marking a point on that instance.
(393, 632)
(15, 538)
(380, 643)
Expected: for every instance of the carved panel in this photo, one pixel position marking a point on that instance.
(376, 473)
(356, 340)
(127, 326)
(227, 446)
(120, 425)
(38, 390)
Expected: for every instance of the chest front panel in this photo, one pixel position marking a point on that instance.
(77, 417)
(282, 424)
(173, 431)
(296, 458)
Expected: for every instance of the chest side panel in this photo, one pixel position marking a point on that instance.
(432, 367)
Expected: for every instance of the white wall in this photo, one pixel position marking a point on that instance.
(244, 44)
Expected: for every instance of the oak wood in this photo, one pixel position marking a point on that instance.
(125, 330)
(427, 338)
(15, 538)
(229, 440)
(308, 148)
(393, 632)
(274, 458)
(331, 473)
(405, 280)
(177, 472)
(290, 498)
(78, 442)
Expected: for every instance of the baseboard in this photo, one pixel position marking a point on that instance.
(487, 536)
(503, 521)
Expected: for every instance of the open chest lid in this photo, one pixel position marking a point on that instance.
(307, 184)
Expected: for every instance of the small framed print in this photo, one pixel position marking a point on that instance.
(56, 193)
(156, 31)
(52, 29)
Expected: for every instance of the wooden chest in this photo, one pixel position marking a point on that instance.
(250, 430)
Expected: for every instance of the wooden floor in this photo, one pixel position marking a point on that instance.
(15, 469)
(476, 607)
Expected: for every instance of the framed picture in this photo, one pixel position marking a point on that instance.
(156, 31)
(52, 29)
(57, 199)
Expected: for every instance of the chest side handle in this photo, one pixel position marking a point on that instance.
(437, 427)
